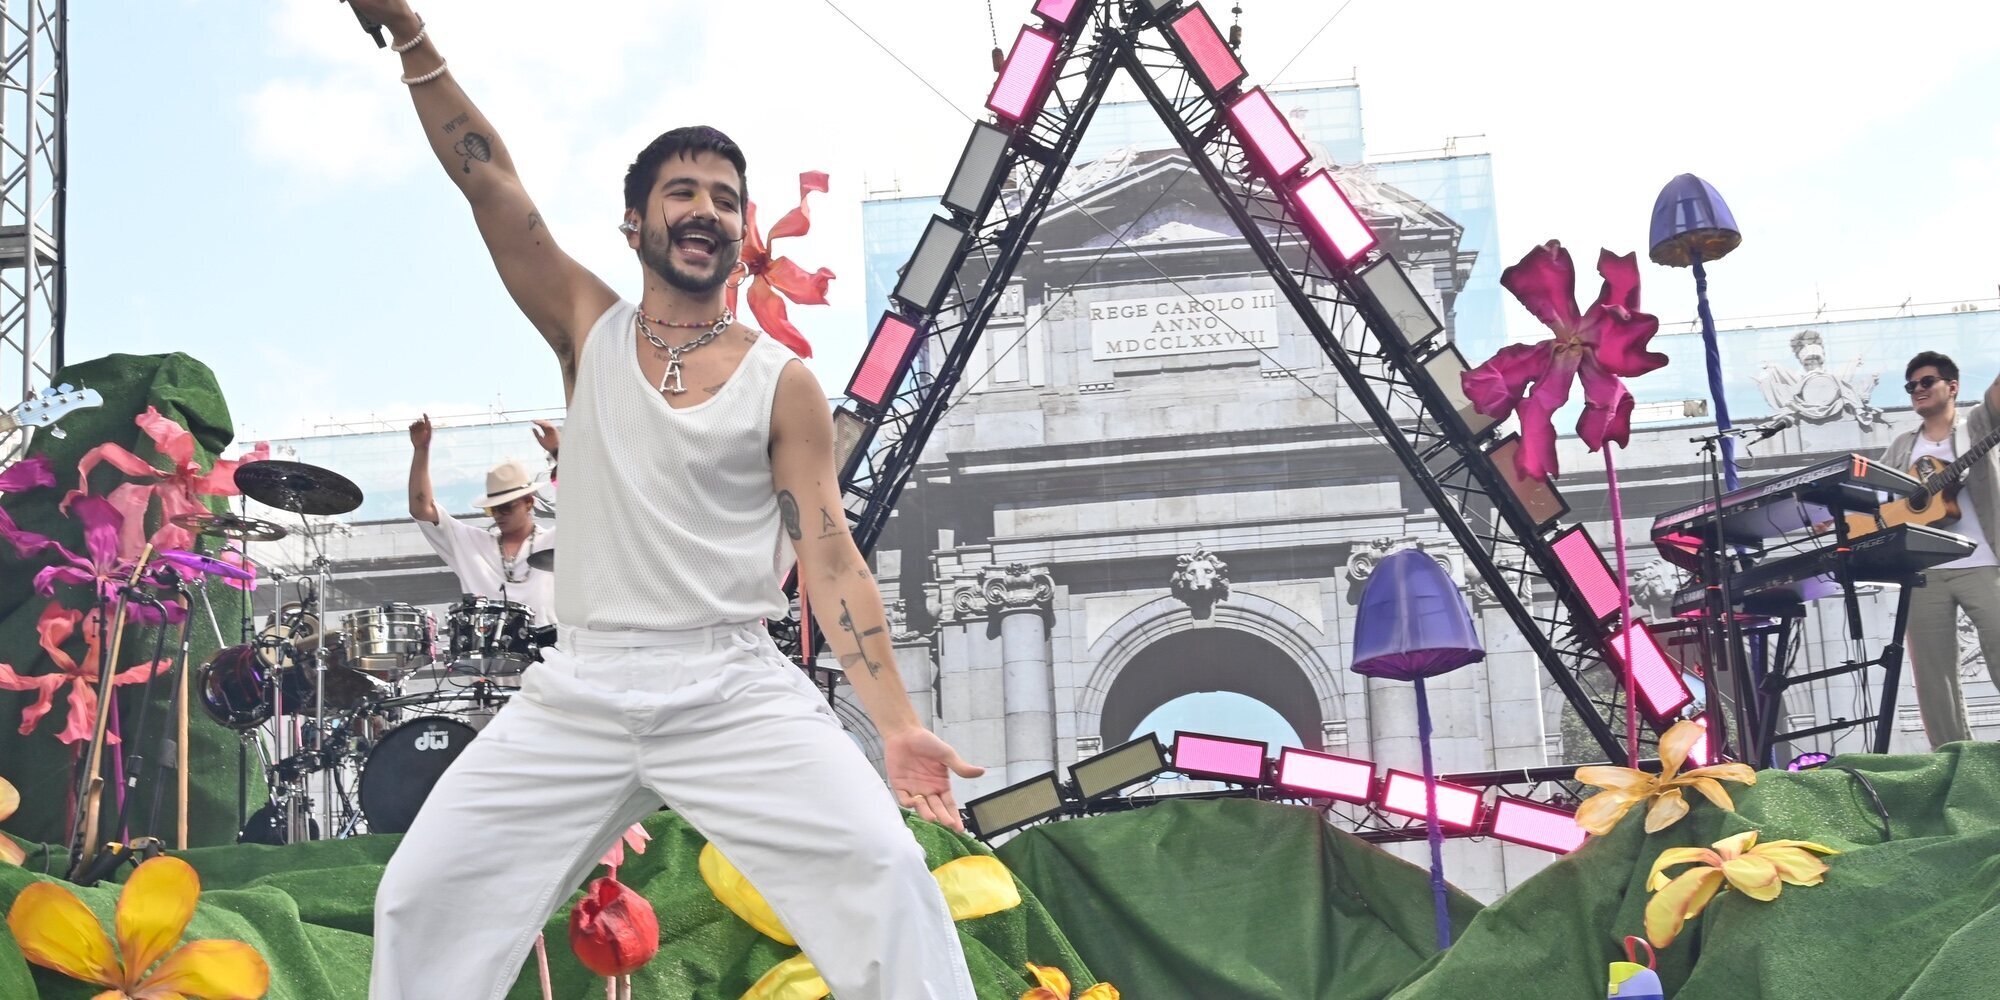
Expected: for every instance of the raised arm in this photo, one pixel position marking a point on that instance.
(421, 505)
(556, 293)
(847, 604)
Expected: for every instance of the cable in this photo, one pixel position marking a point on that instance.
(1888, 833)
(892, 55)
(1275, 77)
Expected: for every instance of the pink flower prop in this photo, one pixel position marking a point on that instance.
(612, 929)
(56, 625)
(1600, 346)
(178, 488)
(775, 279)
(635, 837)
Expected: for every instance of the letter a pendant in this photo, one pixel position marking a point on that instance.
(671, 380)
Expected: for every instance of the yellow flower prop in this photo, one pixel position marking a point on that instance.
(10, 800)
(56, 930)
(974, 886)
(1055, 986)
(1758, 872)
(1625, 787)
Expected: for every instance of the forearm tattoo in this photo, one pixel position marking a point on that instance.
(828, 527)
(474, 147)
(860, 654)
(788, 511)
(452, 125)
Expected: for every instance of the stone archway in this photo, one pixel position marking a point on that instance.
(1252, 646)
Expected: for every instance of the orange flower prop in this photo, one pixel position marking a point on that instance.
(55, 626)
(57, 931)
(1625, 787)
(613, 930)
(775, 279)
(1758, 872)
(1055, 986)
(10, 800)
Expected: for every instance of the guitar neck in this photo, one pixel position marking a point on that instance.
(1963, 464)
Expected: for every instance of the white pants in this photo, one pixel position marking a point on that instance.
(711, 722)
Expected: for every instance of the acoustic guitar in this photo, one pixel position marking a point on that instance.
(1935, 504)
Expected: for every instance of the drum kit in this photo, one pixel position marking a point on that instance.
(372, 710)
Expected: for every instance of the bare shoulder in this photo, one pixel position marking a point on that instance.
(799, 406)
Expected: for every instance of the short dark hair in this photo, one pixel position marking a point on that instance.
(684, 141)
(1943, 364)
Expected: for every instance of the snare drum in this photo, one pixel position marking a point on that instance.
(492, 638)
(390, 638)
(235, 688)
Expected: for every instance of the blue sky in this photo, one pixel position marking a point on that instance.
(248, 183)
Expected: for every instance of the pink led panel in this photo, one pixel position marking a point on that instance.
(1212, 59)
(1219, 757)
(1535, 825)
(1059, 11)
(1019, 88)
(1326, 774)
(1588, 570)
(1403, 794)
(1661, 689)
(875, 378)
(1336, 226)
(1267, 134)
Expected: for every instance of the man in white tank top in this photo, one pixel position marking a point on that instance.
(697, 463)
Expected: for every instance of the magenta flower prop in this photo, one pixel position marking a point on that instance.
(179, 488)
(103, 570)
(1599, 346)
(27, 474)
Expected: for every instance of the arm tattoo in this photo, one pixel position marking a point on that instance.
(474, 147)
(859, 655)
(788, 511)
(452, 125)
(828, 528)
(534, 221)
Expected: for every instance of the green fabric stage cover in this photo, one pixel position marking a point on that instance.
(308, 909)
(1234, 898)
(185, 391)
(1914, 916)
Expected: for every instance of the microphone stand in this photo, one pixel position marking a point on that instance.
(1722, 567)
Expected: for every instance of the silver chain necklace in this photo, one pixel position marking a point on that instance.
(507, 565)
(670, 381)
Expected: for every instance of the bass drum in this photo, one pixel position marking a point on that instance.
(404, 765)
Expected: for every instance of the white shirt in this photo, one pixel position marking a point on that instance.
(1968, 518)
(473, 553)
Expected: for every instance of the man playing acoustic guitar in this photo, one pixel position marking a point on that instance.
(1972, 582)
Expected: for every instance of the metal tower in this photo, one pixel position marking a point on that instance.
(34, 112)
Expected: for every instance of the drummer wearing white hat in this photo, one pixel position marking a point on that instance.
(492, 561)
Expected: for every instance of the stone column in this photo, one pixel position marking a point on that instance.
(1021, 597)
(916, 663)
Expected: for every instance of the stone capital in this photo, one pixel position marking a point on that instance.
(998, 590)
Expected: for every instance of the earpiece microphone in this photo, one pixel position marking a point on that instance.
(628, 227)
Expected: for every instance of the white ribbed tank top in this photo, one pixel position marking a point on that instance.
(669, 518)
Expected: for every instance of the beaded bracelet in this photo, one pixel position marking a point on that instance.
(427, 77)
(415, 40)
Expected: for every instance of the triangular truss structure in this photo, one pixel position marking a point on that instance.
(1353, 297)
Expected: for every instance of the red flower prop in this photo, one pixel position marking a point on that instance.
(104, 569)
(612, 929)
(178, 488)
(1600, 346)
(774, 280)
(56, 625)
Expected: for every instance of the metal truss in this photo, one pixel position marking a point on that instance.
(1445, 458)
(34, 96)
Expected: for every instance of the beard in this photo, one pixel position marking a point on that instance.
(656, 250)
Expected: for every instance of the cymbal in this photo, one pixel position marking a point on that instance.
(543, 559)
(198, 563)
(242, 529)
(297, 487)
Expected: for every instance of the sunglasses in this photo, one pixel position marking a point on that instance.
(1923, 383)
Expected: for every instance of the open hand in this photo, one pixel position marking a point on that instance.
(549, 436)
(920, 766)
(420, 432)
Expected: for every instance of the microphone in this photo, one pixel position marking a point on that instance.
(369, 26)
(1773, 426)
